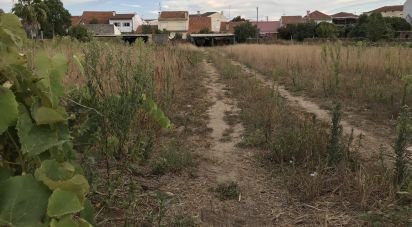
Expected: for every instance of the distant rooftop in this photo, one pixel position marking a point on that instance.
(388, 9)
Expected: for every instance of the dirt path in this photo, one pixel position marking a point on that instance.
(262, 202)
(371, 143)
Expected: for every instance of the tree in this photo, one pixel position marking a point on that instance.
(360, 30)
(245, 31)
(1, 11)
(326, 30)
(298, 32)
(80, 33)
(238, 19)
(58, 19)
(397, 23)
(32, 13)
(376, 27)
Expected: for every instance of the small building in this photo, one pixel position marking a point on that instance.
(216, 20)
(288, 20)
(229, 27)
(199, 22)
(103, 29)
(175, 22)
(389, 11)
(268, 29)
(317, 17)
(126, 23)
(75, 20)
(344, 19)
(152, 22)
(404, 35)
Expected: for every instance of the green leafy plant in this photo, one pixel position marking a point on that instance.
(228, 191)
(40, 183)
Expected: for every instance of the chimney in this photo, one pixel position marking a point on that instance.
(267, 18)
(114, 13)
(198, 13)
(307, 13)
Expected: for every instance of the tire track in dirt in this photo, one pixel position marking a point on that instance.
(371, 144)
(263, 200)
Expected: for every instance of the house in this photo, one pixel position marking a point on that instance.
(126, 23)
(229, 27)
(152, 22)
(389, 11)
(268, 28)
(175, 22)
(288, 20)
(407, 11)
(103, 29)
(217, 19)
(198, 22)
(75, 20)
(96, 17)
(317, 17)
(344, 19)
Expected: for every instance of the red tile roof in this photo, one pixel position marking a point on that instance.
(197, 23)
(229, 27)
(316, 15)
(266, 27)
(388, 9)
(128, 16)
(286, 20)
(76, 20)
(344, 15)
(102, 17)
(165, 15)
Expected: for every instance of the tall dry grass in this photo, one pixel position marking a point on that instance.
(369, 77)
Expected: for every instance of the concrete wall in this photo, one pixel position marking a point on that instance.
(217, 20)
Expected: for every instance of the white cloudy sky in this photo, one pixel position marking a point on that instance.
(246, 8)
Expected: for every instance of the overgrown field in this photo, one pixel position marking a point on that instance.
(366, 80)
(327, 178)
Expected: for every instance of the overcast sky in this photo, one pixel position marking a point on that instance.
(246, 8)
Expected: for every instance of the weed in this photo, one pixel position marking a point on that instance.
(403, 135)
(228, 191)
(335, 153)
(173, 158)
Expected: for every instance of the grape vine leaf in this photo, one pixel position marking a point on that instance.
(12, 26)
(63, 202)
(62, 175)
(9, 110)
(88, 212)
(23, 202)
(45, 115)
(69, 222)
(35, 139)
(51, 72)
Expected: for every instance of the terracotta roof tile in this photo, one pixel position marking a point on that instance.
(267, 26)
(197, 23)
(76, 20)
(316, 15)
(173, 15)
(286, 20)
(344, 15)
(102, 17)
(388, 9)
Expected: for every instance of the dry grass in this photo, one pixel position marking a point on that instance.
(369, 77)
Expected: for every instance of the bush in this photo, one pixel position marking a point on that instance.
(245, 31)
(228, 191)
(80, 33)
(326, 30)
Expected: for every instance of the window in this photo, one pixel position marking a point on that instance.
(127, 24)
(117, 24)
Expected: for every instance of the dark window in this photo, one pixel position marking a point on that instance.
(117, 24)
(127, 24)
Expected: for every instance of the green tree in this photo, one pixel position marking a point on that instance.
(32, 13)
(80, 33)
(1, 11)
(360, 30)
(376, 27)
(326, 30)
(238, 19)
(58, 19)
(245, 31)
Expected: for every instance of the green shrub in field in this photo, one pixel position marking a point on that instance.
(80, 33)
(228, 190)
(173, 158)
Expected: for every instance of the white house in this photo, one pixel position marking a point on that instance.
(126, 23)
(389, 11)
(407, 11)
(217, 19)
(175, 22)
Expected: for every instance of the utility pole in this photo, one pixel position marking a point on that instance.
(257, 24)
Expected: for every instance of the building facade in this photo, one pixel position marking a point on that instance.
(389, 11)
(126, 23)
(175, 22)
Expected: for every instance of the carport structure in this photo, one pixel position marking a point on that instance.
(212, 39)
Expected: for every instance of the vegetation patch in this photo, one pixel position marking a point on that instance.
(228, 191)
(173, 158)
